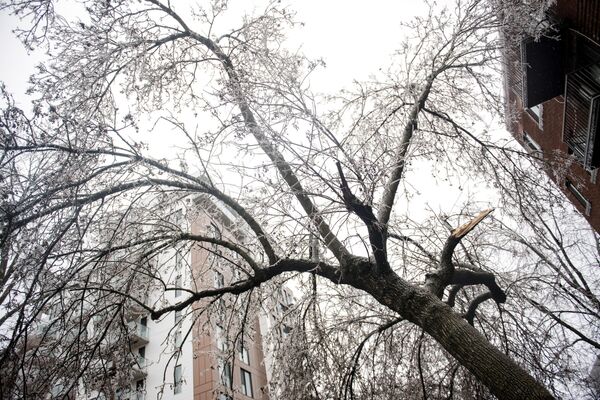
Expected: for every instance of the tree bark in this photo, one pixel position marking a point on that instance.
(505, 378)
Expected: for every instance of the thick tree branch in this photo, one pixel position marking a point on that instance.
(284, 168)
(451, 300)
(261, 276)
(465, 277)
(198, 185)
(437, 281)
(365, 213)
(389, 192)
(470, 315)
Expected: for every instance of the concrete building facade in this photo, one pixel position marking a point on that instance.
(197, 354)
(214, 349)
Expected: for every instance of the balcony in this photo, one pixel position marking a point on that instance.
(132, 395)
(582, 115)
(134, 310)
(138, 334)
(138, 367)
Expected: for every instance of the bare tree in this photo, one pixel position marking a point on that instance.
(84, 199)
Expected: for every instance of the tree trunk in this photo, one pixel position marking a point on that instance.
(498, 372)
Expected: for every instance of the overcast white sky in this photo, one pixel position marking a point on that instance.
(354, 39)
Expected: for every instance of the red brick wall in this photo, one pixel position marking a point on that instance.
(549, 137)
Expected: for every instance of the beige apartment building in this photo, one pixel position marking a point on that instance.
(214, 350)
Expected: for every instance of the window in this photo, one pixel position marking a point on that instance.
(543, 77)
(587, 206)
(177, 216)
(246, 382)
(225, 373)
(57, 390)
(535, 112)
(178, 260)
(531, 145)
(219, 280)
(178, 285)
(235, 274)
(177, 340)
(282, 309)
(178, 379)
(140, 390)
(221, 339)
(244, 355)
(141, 358)
(582, 115)
(286, 330)
(220, 310)
(289, 300)
(178, 317)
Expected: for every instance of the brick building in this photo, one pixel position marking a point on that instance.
(552, 87)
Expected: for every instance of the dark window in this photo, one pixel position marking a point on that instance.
(579, 196)
(177, 340)
(246, 378)
(177, 286)
(543, 72)
(244, 355)
(582, 115)
(219, 280)
(530, 144)
(178, 379)
(225, 373)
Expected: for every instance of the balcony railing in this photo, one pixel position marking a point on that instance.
(135, 310)
(132, 395)
(139, 367)
(138, 333)
(582, 114)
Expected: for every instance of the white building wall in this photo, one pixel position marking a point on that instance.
(161, 351)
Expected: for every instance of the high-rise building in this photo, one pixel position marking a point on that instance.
(552, 90)
(214, 349)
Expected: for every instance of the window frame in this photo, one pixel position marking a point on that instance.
(246, 383)
(177, 380)
(219, 280)
(225, 373)
(244, 354)
(583, 201)
(178, 316)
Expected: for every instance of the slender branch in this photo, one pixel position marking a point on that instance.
(414, 243)
(559, 320)
(349, 378)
